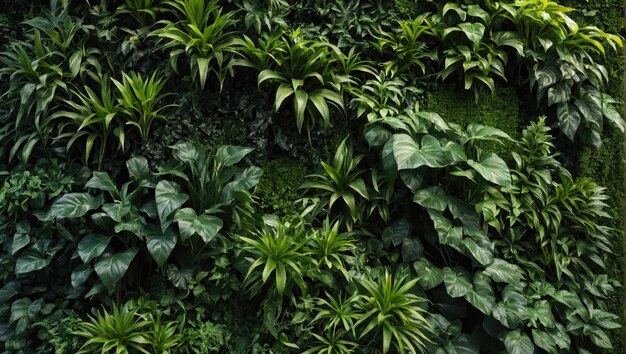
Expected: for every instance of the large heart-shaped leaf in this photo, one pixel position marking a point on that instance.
(168, 197)
(429, 276)
(111, 267)
(493, 169)
(138, 168)
(189, 223)
(101, 181)
(504, 272)
(31, 261)
(92, 246)
(517, 342)
(229, 155)
(484, 255)
(397, 232)
(73, 205)
(431, 198)
(569, 119)
(81, 274)
(23, 312)
(160, 244)
(457, 281)
(481, 295)
(244, 181)
(409, 155)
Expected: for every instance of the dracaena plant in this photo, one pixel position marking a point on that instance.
(141, 101)
(119, 331)
(407, 47)
(94, 120)
(394, 315)
(302, 71)
(142, 11)
(203, 33)
(343, 183)
(277, 253)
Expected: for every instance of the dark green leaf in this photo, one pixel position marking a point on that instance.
(517, 342)
(432, 198)
(92, 246)
(457, 281)
(111, 267)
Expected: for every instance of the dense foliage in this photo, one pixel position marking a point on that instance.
(272, 176)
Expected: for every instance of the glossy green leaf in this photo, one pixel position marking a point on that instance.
(504, 272)
(112, 267)
(429, 276)
(31, 261)
(91, 246)
(189, 223)
(169, 198)
(493, 169)
(160, 244)
(73, 205)
(457, 281)
(432, 198)
(517, 342)
(229, 155)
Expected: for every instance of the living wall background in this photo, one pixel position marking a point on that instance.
(276, 176)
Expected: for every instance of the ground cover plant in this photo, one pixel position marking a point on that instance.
(290, 176)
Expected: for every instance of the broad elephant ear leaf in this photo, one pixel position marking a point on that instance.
(73, 205)
(168, 197)
(160, 244)
(112, 267)
(138, 168)
(92, 246)
(101, 181)
(189, 223)
(229, 155)
(517, 342)
(493, 169)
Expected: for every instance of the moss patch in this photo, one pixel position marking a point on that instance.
(278, 189)
(500, 111)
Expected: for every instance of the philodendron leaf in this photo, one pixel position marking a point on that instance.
(101, 181)
(189, 223)
(544, 341)
(569, 118)
(409, 155)
(429, 276)
(457, 281)
(431, 198)
(31, 261)
(504, 272)
(160, 244)
(111, 267)
(396, 232)
(179, 278)
(464, 344)
(229, 155)
(23, 312)
(80, 274)
(481, 295)
(73, 205)
(243, 181)
(412, 249)
(92, 246)
(493, 169)
(517, 342)
(482, 254)
(168, 197)
(138, 168)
